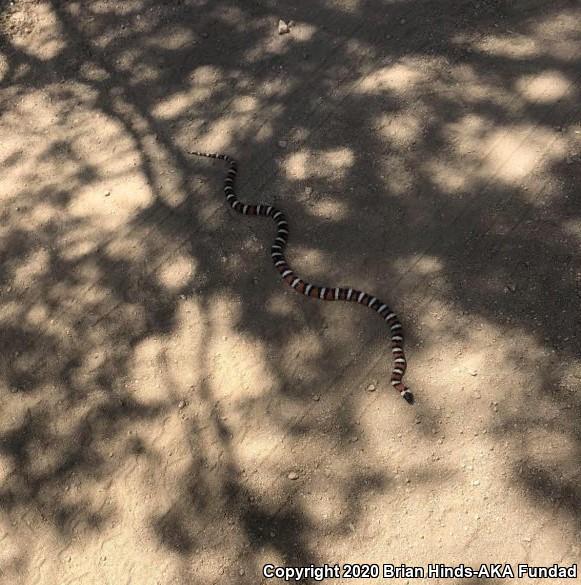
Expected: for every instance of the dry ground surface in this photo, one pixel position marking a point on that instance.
(158, 383)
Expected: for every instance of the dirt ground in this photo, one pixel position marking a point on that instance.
(170, 413)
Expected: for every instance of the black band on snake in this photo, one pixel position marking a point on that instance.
(311, 290)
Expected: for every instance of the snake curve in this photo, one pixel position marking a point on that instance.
(311, 290)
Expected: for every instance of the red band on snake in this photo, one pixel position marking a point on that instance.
(312, 290)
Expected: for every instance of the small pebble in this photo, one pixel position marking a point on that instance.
(282, 143)
(293, 475)
(371, 388)
(476, 482)
(308, 190)
(283, 27)
(241, 572)
(182, 404)
(316, 398)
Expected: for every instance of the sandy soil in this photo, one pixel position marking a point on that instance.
(169, 412)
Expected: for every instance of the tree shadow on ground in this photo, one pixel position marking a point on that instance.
(372, 127)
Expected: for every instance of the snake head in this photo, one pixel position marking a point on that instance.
(408, 396)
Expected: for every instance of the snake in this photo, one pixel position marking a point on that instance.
(312, 290)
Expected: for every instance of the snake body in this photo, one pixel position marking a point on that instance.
(312, 290)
